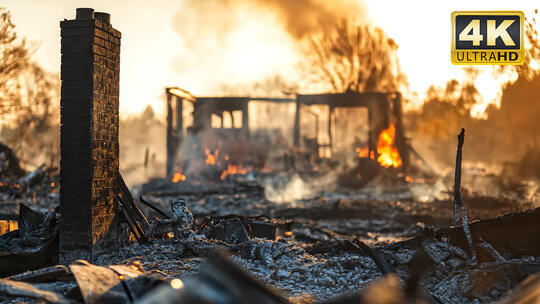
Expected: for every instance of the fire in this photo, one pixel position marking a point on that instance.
(231, 170)
(178, 176)
(211, 158)
(362, 152)
(266, 169)
(388, 153)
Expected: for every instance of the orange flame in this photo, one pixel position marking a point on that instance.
(178, 176)
(211, 158)
(362, 152)
(231, 170)
(388, 153)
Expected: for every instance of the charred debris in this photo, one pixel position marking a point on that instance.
(208, 232)
(186, 247)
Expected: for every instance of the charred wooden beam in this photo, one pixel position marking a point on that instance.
(44, 274)
(401, 142)
(459, 205)
(512, 235)
(134, 216)
(457, 177)
(170, 146)
(157, 209)
(377, 257)
(296, 128)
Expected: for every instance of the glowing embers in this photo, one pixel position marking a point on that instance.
(388, 155)
(233, 170)
(211, 157)
(178, 176)
(364, 153)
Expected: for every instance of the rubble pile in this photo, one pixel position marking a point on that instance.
(301, 259)
(37, 188)
(189, 241)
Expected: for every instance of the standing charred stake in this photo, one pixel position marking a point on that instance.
(458, 200)
(457, 177)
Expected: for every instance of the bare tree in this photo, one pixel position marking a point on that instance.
(28, 99)
(14, 59)
(529, 69)
(356, 57)
(39, 104)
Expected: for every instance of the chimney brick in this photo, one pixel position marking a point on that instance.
(90, 67)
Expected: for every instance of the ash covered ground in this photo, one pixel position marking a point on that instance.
(312, 259)
(315, 256)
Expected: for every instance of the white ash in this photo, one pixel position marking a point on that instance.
(486, 283)
(155, 255)
(286, 266)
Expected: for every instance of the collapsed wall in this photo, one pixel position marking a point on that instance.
(89, 161)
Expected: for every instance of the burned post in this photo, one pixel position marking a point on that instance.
(457, 177)
(459, 205)
(89, 135)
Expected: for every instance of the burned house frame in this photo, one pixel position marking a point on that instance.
(382, 108)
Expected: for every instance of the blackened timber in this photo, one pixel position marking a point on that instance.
(401, 143)
(131, 211)
(138, 232)
(377, 257)
(171, 150)
(330, 116)
(458, 200)
(348, 99)
(457, 176)
(41, 275)
(296, 131)
(179, 120)
(155, 208)
(512, 235)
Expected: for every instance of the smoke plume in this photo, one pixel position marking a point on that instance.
(233, 41)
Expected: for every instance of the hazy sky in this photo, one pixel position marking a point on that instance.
(154, 55)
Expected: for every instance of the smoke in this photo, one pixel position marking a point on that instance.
(142, 147)
(200, 20)
(304, 17)
(293, 189)
(240, 41)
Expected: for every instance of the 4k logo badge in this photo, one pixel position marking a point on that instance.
(487, 37)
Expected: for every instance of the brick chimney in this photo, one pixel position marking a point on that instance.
(89, 161)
